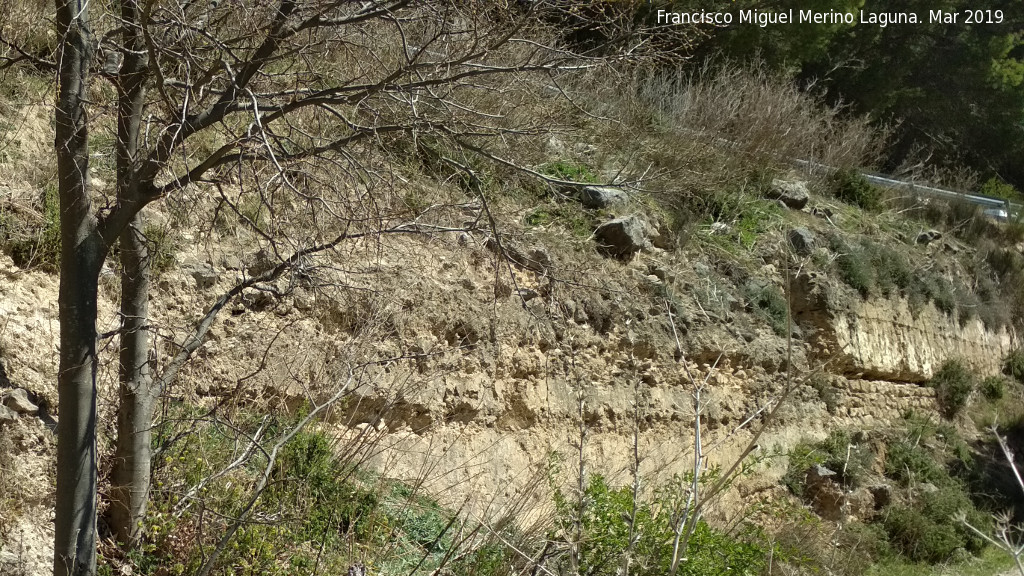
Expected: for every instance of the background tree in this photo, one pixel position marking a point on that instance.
(955, 90)
(954, 93)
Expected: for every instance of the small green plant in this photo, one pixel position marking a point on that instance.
(826, 392)
(953, 384)
(850, 186)
(853, 265)
(1013, 365)
(840, 452)
(770, 303)
(892, 273)
(161, 248)
(570, 170)
(993, 387)
(572, 218)
(756, 218)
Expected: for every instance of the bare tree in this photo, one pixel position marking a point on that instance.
(277, 98)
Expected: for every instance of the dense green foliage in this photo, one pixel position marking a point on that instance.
(840, 452)
(1013, 364)
(613, 526)
(851, 187)
(953, 385)
(954, 90)
(924, 460)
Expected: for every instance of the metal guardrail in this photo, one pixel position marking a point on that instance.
(998, 208)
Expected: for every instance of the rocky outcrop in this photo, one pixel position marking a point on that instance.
(885, 339)
(802, 240)
(792, 194)
(597, 197)
(622, 237)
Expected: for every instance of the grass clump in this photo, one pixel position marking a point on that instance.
(953, 384)
(572, 218)
(34, 244)
(570, 170)
(1013, 365)
(770, 303)
(853, 266)
(851, 187)
(162, 246)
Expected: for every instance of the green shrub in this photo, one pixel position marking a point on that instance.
(840, 452)
(851, 187)
(999, 189)
(928, 530)
(892, 271)
(918, 537)
(953, 384)
(854, 266)
(908, 462)
(993, 387)
(309, 481)
(770, 303)
(605, 523)
(1013, 364)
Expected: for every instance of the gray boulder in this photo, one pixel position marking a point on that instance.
(601, 196)
(19, 401)
(7, 415)
(202, 272)
(802, 241)
(621, 237)
(793, 194)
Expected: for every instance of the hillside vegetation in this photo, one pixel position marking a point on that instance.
(557, 306)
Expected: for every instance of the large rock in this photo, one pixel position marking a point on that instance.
(7, 415)
(202, 272)
(793, 194)
(19, 401)
(802, 241)
(601, 196)
(621, 237)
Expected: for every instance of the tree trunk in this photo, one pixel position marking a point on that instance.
(131, 474)
(82, 253)
(131, 467)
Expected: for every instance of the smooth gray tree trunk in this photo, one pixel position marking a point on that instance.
(82, 254)
(130, 477)
(131, 471)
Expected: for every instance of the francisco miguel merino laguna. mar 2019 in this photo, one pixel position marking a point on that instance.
(764, 18)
